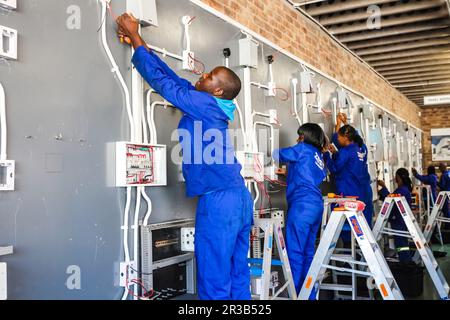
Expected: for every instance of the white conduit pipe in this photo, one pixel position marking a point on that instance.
(125, 234)
(295, 100)
(115, 68)
(239, 111)
(272, 133)
(165, 53)
(3, 123)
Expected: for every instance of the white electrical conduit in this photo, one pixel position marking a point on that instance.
(115, 68)
(257, 36)
(239, 111)
(143, 192)
(295, 100)
(165, 53)
(272, 134)
(3, 123)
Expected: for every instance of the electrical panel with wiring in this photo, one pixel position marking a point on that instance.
(140, 165)
(252, 165)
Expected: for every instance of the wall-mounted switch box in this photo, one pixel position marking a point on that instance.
(144, 11)
(248, 53)
(273, 117)
(188, 239)
(7, 175)
(8, 4)
(140, 165)
(8, 43)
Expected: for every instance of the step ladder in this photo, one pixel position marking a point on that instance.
(425, 212)
(437, 217)
(352, 253)
(374, 262)
(262, 268)
(423, 250)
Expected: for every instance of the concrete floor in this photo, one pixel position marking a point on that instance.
(429, 292)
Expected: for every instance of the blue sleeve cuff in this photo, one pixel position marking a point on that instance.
(138, 53)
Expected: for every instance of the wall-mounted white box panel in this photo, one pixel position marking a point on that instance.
(140, 165)
(248, 53)
(7, 175)
(252, 165)
(8, 43)
(144, 10)
(3, 282)
(8, 4)
(188, 239)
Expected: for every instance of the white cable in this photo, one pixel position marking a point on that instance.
(255, 185)
(295, 100)
(136, 229)
(3, 123)
(186, 20)
(149, 207)
(115, 68)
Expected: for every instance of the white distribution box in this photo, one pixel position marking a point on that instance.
(252, 164)
(140, 165)
(8, 4)
(7, 175)
(188, 239)
(8, 43)
(144, 10)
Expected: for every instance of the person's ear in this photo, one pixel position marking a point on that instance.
(218, 92)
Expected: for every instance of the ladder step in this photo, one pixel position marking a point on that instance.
(259, 261)
(335, 287)
(347, 259)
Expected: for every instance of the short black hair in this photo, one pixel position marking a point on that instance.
(431, 170)
(231, 85)
(352, 135)
(312, 134)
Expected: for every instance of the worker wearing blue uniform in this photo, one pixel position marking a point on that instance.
(350, 170)
(444, 185)
(430, 179)
(306, 171)
(404, 189)
(212, 173)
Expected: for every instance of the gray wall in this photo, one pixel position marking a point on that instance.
(63, 212)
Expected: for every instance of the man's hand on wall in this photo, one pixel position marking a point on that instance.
(129, 30)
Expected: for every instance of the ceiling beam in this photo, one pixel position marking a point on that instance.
(403, 46)
(418, 75)
(407, 53)
(403, 63)
(393, 31)
(386, 10)
(438, 33)
(389, 22)
(413, 70)
(339, 6)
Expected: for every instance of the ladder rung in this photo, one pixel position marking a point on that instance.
(336, 287)
(445, 220)
(347, 270)
(396, 233)
(348, 259)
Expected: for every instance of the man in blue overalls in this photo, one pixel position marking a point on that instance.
(225, 207)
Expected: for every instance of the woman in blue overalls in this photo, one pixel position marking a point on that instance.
(348, 165)
(404, 189)
(306, 171)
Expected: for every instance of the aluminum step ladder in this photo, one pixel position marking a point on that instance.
(425, 212)
(437, 217)
(415, 234)
(261, 268)
(374, 262)
(352, 252)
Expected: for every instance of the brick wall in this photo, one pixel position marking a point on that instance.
(277, 21)
(433, 118)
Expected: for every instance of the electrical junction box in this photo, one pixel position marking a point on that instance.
(271, 172)
(248, 53)
(3, 282)
(140, 165)
(252, 165)
(188, 239)
(7, 175)
(272, 89)
(306, 84)
(273, 117)
(8, 43)
(188, 60)
(8, 4)
(144, 10)
(278, 214)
